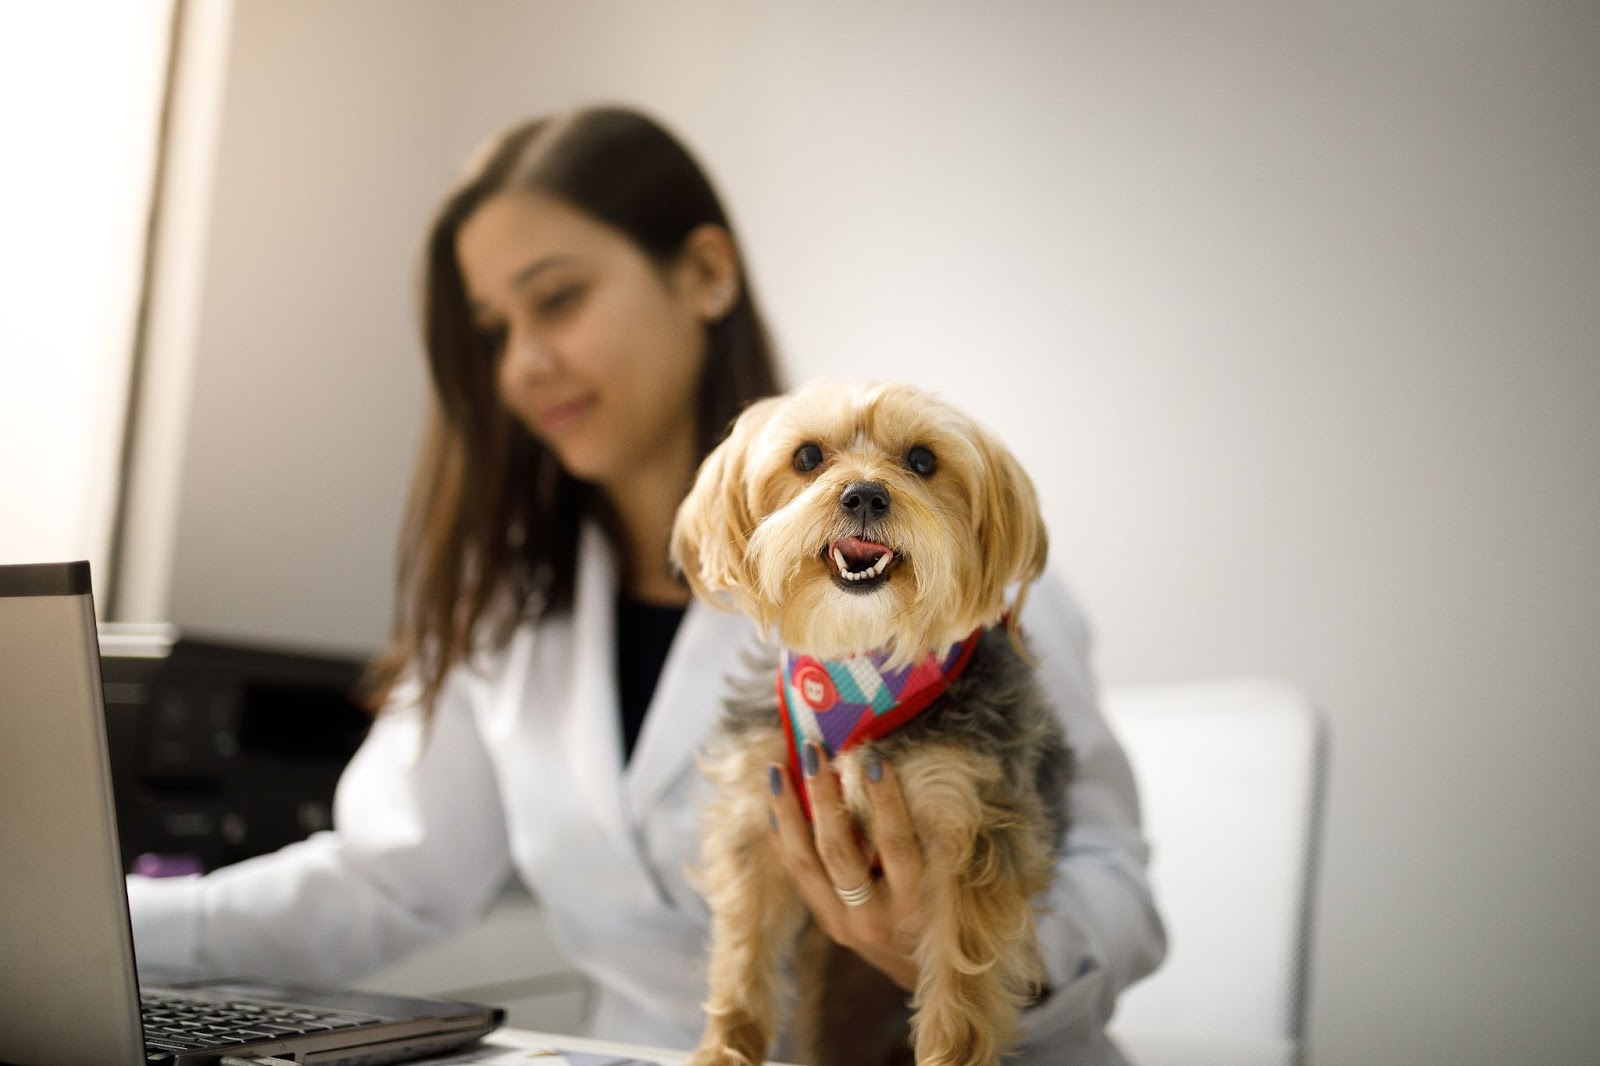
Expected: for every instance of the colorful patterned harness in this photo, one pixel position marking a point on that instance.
(841, 703)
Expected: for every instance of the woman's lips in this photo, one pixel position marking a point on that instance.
(561, 416)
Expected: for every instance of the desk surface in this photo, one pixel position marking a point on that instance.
(523, 1047)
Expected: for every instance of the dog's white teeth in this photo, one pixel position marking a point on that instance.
(875, 570)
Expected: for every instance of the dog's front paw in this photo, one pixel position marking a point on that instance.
(721, 1055)
(731, 1040)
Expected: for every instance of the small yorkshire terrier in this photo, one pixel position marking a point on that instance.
(875, 531)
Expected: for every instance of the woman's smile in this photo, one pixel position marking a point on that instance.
(554, 419)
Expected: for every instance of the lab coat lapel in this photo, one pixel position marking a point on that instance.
(687, 701)
(592, 739)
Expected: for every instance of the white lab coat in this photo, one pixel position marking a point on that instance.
(522, 770)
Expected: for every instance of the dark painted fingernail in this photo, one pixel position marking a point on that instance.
(772, 819)
(775, 779)
(809, 756)
(874, 768)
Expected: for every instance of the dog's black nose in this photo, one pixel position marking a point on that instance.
(865, 500)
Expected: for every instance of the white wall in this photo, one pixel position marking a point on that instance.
(1290, 309)
(80, 102)
(306, 384)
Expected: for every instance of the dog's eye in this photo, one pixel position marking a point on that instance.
(922, 461)
(807, 457)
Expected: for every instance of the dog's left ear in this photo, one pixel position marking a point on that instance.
(714, 522)
(1011, 532)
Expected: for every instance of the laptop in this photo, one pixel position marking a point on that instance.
(69, 991)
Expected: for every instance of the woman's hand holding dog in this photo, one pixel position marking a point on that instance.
(827, 860)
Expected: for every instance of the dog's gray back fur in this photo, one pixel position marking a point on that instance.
(995, 707)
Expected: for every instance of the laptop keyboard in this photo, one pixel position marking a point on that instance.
(182, 1023)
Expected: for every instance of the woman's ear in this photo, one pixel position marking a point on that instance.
(715, 520)
(1011, 531)
(708, 270)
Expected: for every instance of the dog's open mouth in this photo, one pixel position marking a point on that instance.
(860, 564)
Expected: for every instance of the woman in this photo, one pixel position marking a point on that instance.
(590, 334)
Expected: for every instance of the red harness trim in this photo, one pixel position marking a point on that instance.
(871, 727)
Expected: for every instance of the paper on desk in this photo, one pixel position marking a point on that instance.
(534, 1056)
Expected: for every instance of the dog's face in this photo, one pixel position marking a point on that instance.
(860, 519)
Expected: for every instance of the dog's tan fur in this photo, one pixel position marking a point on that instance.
(748, 537)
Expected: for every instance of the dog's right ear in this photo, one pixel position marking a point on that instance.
(715, 520)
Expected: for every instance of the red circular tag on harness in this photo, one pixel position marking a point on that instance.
(815, 687)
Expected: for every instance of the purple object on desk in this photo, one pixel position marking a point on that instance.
(151, 864)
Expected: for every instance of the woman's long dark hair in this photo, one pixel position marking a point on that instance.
(490, 535)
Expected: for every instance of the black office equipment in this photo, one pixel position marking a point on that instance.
(221, 750)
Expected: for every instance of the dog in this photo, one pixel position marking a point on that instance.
(875, 531)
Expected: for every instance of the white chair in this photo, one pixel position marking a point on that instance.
(1231, 778)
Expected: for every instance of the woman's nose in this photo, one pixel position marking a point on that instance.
(526, 355)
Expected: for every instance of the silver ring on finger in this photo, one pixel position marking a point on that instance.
(855, 897)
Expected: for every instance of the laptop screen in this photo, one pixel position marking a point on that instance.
(66, 949)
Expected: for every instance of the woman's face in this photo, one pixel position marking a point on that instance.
(599, 350)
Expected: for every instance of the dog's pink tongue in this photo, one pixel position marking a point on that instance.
(859, 553)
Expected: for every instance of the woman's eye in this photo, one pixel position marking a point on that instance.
(921, 461)
(559, 301)
(807, 457)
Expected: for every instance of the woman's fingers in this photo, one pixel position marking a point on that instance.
(837, 845)
(825, 856)
(799, 851)
(893, 835)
